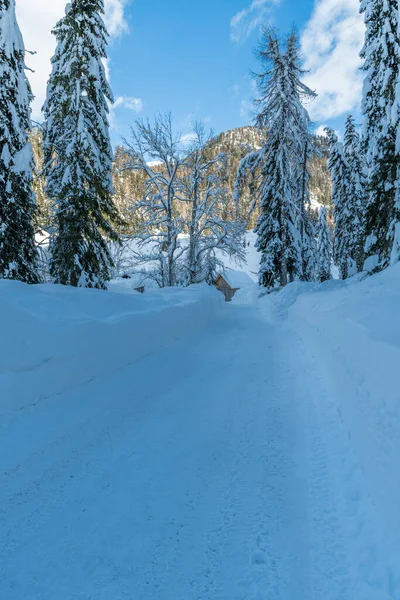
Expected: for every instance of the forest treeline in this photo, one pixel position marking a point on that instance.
(180, 206)
(235, 143)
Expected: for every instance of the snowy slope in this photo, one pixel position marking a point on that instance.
(55, 338)
(351, 331)
(173, 446)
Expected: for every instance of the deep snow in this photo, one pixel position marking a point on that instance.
(172, 446)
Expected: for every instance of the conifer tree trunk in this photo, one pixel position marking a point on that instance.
(193, 242)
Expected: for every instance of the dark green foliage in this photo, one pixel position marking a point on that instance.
(77, 151)
(18, 256)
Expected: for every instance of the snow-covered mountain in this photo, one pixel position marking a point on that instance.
(236, 143)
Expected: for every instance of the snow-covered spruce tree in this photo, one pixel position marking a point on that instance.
(303, 150)
(203, 186)
(277, 237)
(344, 250)
(77, 151)
(324, 250)
(285, 237)
(18, 256)
(356, 201)
(155, 151)
(281, 167)
(380, 133)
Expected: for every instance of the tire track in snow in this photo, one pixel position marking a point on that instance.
(190, 488)
(347, 548)
(330, 566)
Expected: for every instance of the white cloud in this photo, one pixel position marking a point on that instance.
(188, 138)
(246, 20)
(235, 89)
(246, 108)
(134, 104)
(114, 17)
(321, 131)
(331, 44)
(36, 19)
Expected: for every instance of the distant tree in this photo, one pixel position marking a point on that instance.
(324, 250)
(320, 180)
(77, 151)
(155, 151)
(380, 132)
(356, 201)
(182, 236)
(18, 255)
(210, 236)
(344, 250)
(128, 189)
(45, 216)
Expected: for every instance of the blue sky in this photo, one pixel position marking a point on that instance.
(194, 57)
(183, 59)
(187, 57)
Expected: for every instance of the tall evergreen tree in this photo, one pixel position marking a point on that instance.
(324, 247)
(303, 150)
(77, 150)
(356, 200)
(18, 256)
(277, 236)
(381, 63)
(341, 192)
(281, 167)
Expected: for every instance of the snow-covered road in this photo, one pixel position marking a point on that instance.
(203, 471)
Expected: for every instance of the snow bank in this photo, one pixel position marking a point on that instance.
(352, 330)
(276, 306)
(49, 334)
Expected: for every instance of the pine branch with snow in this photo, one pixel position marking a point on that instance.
(340, 196)
(285, 235)
(381, 102)
(346, 240)
(303, 151)
(357, 196)
(18, 255)
(77, 150)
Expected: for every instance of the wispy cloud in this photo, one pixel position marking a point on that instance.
(243, 92)
(248, 19)
(188, 138)
(36, 19)
(331, 43)
(130, 103)
(246, 110)
(115, 17)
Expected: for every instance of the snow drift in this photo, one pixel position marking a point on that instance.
(352, 331)
(49, 334)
